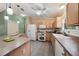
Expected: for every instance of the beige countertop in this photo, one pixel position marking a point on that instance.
(71, 44)
(6, 47)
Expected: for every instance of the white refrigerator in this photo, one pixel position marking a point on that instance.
(31, 31)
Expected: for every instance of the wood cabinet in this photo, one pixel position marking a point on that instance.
(24, 50)
(72, 14)
(59, 21)
(48, 36)
(49, 22)
(53, 43)
(59, 50)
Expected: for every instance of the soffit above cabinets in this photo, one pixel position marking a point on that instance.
(2, 6)
(52, 9)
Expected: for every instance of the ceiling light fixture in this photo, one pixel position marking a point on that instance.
(18, 5)
(18, 22)
(10, 10)
(38, 9)
(6, 17)
(62, 7)
(38, 12)
(23, 15)
(22, 9)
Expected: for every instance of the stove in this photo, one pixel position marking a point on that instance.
(42, 33)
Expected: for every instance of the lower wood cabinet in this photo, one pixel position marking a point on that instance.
(48, 36)
(59, 50)
(53, 43)
(23, 50)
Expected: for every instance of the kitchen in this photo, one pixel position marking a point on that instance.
(39, 29)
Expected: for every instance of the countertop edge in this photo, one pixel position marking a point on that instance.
(73, 54)
(13, 45)
(15, 48)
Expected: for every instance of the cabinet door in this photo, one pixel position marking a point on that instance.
(53, 43)
(58, 49)
(48, 36)
(12, 28)
(24, 50)
(72, 13)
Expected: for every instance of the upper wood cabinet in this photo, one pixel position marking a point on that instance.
(59, 21)
(72, 14)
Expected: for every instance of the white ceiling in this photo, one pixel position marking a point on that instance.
(2, 7)
(52, 9)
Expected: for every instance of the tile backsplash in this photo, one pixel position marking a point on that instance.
(74, 32)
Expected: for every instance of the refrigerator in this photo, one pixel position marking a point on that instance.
(31, 31)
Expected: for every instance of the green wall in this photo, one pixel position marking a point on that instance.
(69, 26)
(21, 24)
(3, 26)
(23, 21)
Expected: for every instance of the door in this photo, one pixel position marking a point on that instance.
(12, 28)
(31, 31)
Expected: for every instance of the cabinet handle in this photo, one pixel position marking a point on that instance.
(63, 54)
(24, 50)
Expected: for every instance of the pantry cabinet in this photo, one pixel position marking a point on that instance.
(72, 14)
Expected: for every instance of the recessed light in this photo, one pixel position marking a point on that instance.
(22, 9)
(23, 15)
(18, 5)
(18, 22)
(6, 17)
(62, 7)
(38, 12)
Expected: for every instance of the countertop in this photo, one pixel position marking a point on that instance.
(71, 44)
(6, 47)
